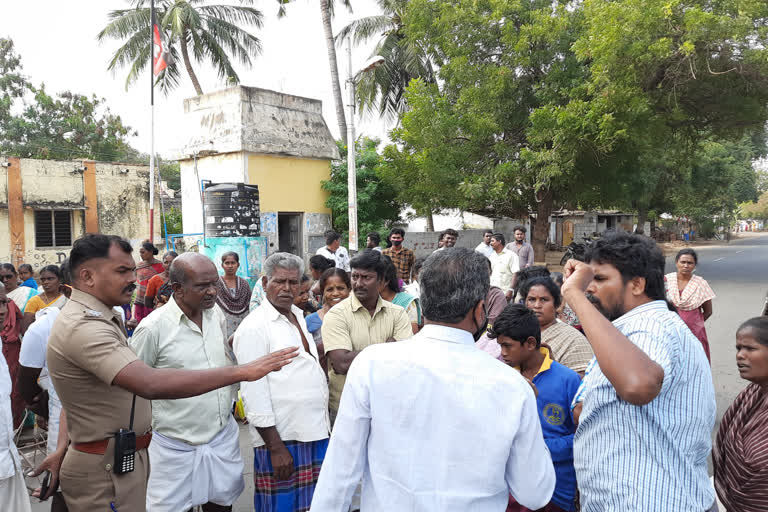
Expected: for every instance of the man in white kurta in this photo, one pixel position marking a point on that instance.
(504, 266)
(433, 423)
(287, 411)
(195, 451)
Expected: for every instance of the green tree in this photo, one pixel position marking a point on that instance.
(170, 172)
(34, 124)
(173, 223)
(382, 89)
(541, 104)
(377, 204)
(206, 33)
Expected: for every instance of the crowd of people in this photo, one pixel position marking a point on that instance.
(466, 380)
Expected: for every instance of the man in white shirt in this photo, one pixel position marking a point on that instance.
(504, 265)
(13, 491)
(287, 411)
(195, 449)
(432, 423)
(334, 251)
(484, 247)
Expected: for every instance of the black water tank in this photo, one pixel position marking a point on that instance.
(232, 209)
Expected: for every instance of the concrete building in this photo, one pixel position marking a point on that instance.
(46, 204)
(277, 141)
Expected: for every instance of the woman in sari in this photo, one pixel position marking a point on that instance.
(390, 291)
(233, 292)
(740, 455)
(568, 346)
(10, 332)
(156, 282)
(146, 269)
(691, 295)
(335, 286)
(51, 296)
(16, 292)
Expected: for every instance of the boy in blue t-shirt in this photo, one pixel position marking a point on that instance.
(517, 332)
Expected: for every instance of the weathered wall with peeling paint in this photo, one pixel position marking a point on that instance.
(122, 196)
(277, 141)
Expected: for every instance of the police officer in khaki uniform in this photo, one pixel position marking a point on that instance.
(97, 375)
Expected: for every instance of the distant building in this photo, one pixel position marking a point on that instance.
(277, 141)
(46, 204)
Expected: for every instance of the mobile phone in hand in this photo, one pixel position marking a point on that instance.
(44, 486)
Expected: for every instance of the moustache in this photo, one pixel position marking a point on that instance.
(129, 288)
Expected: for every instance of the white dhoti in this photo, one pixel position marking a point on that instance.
(183, 475)
(13, 494)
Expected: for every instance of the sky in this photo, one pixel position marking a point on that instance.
(58, 46)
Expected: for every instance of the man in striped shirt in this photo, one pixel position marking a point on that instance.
(648, 402)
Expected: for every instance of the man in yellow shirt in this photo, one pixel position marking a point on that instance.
(360, 320)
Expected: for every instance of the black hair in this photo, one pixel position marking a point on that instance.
(10, 267)
(518, 323)
(440, 237)
(397, 231)
(66, 275)
(547, 283)
(451, 232)
(27, 267)
(527, 273)
(375, 237)
(487, 231)
(453, 282)
(149, 247)
(305, 278)
(331, 236)
(558, 278)
(759, 325)
(417, 264)
(519, 228)
(499, 238)
(370, 260)
(390, 276)
(232, 254)
(682, 252)
(334, 272)
(321, 263)
(173, 254)
(633, 256)
(92, 246)
(53, 269)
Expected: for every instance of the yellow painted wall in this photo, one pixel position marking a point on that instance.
(289, 184)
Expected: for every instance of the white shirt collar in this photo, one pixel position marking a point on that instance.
(445, 333)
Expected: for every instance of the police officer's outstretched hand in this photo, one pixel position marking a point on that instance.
(269, 363)
(51, 463)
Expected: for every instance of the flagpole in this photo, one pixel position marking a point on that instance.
(152, 121)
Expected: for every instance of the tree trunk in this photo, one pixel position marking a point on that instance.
(331, 47)
(188, 64)
(642, 216)
(430, 221)
(541, 226)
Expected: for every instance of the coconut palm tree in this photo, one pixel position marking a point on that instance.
(203, 33)
(327, 8)
(382, 89)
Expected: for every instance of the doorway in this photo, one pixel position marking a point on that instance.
(289, 232)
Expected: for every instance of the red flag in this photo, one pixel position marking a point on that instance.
(159, 62)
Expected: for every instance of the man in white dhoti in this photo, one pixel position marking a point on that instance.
(195, 451)
(13, 492)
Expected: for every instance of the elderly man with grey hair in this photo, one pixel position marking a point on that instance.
(433, 423)
(287, 411)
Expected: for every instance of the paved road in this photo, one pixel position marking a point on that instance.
(737, 272)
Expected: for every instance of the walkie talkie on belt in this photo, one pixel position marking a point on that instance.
(125, 446)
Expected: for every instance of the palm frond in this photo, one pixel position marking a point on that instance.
(139, 43)
(235, 40)
(234, 14)
(364, 29)
(216, 54)
(125, 23)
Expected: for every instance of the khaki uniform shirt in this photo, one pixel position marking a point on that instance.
(86, 350)
(349, 326)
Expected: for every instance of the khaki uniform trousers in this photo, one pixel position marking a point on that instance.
(89, 484)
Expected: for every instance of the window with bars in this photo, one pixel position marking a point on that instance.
(53, 228)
